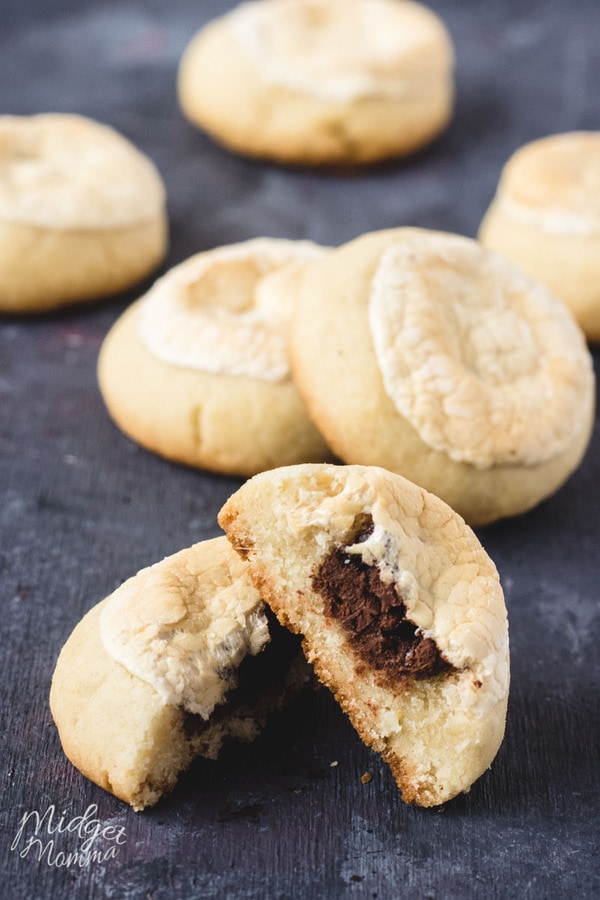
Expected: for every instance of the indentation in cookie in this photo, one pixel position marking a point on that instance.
(222, 311)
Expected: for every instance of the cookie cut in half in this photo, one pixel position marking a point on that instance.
(545, 217)
(82, 212)
(401, 611)
(179, 658)
(320, 82)
(425, 354)
(198, 371)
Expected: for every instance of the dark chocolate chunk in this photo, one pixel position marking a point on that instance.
(374, 617)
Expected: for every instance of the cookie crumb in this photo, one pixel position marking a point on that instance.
(365, 779)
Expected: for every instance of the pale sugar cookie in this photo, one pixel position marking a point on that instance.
(400, 608)
(545, 217)
(180, 657)
(320, 81)
(198, 371)
(423, 353)
(82, 212)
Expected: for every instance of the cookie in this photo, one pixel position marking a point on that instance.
(82, 212)
(401, 611)
(423, 353)
(545, 217)
(197, 370)
(320, 82)
(179, 658)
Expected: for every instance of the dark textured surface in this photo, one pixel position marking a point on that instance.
(82, 508)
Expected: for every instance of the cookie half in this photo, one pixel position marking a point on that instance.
(82, 212)
(401, 611)
(545, 217)
(176, 660)
(320, 81)
(198, 369)
(425, 354)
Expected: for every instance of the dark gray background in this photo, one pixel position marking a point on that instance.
(82, 508)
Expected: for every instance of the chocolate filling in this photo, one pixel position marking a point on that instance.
(374, 616)
(259, 679)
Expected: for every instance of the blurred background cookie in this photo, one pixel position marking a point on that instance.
(198, 371)
(82, 212)
(423, 353)
(320, 81)
(545, 217)
(180, 657)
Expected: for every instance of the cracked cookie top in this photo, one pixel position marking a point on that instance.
(483, 362)
(185, 624)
